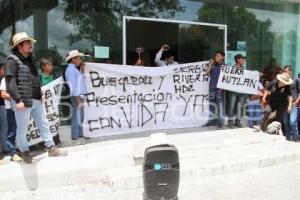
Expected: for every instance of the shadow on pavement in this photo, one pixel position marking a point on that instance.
(30, 174)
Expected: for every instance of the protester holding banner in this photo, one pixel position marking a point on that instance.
(83, 76)
(122, 100)
(8, 123)
(216, 107)
(294, 112)
(167, 55)
(279, 98)
(46, 73)
(140, 61)
(75, 80)
(237, 100)
(46, 77)
(23, 86)
(51, 98)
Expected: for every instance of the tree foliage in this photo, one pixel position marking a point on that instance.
(243, 25)
(100, 21)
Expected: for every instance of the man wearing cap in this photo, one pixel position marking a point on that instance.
(237, 100)
(75, 80)
(280, 100)
(24, 88)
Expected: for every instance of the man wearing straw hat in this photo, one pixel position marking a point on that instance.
(25, 90)
(280, 100)
(294, 113)
(75, 79)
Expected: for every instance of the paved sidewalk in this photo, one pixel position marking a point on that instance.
(224, 164)
(271, 183)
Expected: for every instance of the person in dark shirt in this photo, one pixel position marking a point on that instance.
(23, 85)
(215, 94)
(294, 113)
(237, 100)
(280, 100)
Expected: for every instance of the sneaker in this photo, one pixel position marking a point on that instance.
(219, 126)
(82, 141)
(16, 158)
(238, 124)
(27, 157)
(211, 123)
(256, 128)
(230, 125)
(56, 152)
(1, 160)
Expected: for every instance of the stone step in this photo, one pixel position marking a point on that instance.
(202, 154)
(269, 183)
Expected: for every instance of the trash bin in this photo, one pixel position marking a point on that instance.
(161, 172)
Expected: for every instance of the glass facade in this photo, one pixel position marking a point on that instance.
(268, 30)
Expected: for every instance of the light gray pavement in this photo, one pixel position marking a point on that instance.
(224, 164)
(280, 182)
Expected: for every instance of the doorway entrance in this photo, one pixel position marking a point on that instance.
(189, 41)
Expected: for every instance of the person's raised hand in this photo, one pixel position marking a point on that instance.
(138, 62)
(164, 47)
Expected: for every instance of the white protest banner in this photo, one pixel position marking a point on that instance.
(238, 80)
(126, 99)
(51, 94)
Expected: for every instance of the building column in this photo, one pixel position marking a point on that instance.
(297, 63)
(288, 55)
(40, 24)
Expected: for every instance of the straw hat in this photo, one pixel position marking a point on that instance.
(73, 54)
(19, 38)
(285, 78)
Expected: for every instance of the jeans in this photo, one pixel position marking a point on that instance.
(294, 123)
(282, 116)
(76, 119)
(254, 114)
(5, 143)
(236, 100)
(216, 109)
(3, 127)
(23, 119)
(11, 126)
